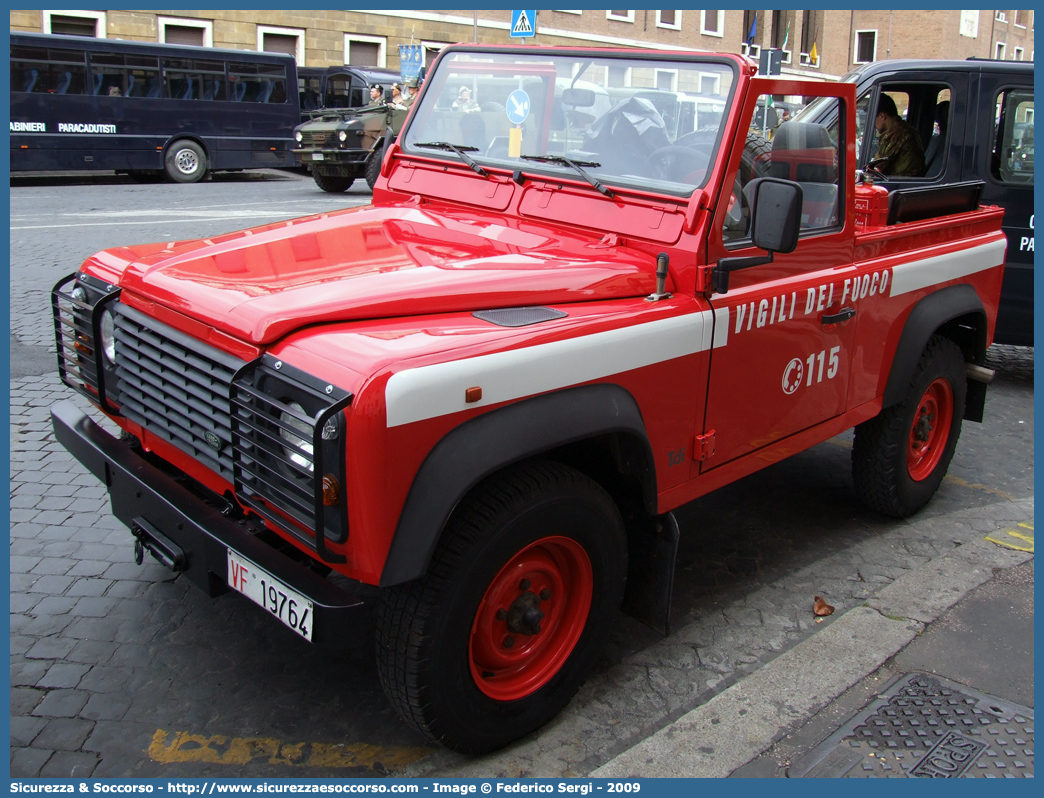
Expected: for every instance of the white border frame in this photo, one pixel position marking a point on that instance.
(673, 73)
(101, 21)
(1000, 50)
(855, 44)
(297, 33)
(1019, 54)
(380, 41)
(677, 20)
(205, 24)
(614, 18)
(720, 32)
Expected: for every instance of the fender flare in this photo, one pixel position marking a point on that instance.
(928, 315)
(483, 445)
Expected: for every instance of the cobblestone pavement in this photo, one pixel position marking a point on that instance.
(121, 670)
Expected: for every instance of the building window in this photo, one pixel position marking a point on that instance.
(811, 25)
(620, 16)
(1019, 55)
(281, 40)
(712, 23)
(669, 19)
(666, 80)
(865, 46)
(619, 77)
(1000, 51)
(430, 50)
(75, 23)
(1020, 19)
(195, 32)
(567, 12)
(1002, 16)
(365, 50)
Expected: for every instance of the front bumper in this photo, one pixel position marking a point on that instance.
(192, 537)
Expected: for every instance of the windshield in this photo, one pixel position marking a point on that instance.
(636, 122)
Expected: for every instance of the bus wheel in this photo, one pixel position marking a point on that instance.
(518, 601)
(185, 162)
(373, 169)
(335, 184)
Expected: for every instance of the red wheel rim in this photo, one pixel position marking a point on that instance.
(530, 618)
(930, 430)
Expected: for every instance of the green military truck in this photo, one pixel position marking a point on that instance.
(340, 145)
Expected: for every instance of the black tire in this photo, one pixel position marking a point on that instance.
(185, 162)
(335, 184)
(373, 168)
(144, 175)
(900, 456)
(439, 637)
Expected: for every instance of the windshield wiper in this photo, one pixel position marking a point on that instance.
(575, 165)
(460, 150)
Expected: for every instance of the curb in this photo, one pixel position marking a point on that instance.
(742, 722)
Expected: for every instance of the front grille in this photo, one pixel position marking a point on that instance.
(176, 387)
(314, 139)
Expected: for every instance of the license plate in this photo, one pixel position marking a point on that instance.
(318, 156)
(262, 588)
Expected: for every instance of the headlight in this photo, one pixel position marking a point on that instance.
(108, 337)
(298, 443)
(342, 135)
(79, 293)
(298, 136)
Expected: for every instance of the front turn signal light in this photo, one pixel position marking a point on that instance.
(331, 491)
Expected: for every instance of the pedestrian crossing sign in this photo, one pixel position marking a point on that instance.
(523, 23)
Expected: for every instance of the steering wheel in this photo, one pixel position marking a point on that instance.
(872, 170)
(678, 164)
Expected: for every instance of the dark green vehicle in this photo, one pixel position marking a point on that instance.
(340, 145)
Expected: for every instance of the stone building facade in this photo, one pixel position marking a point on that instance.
(816, 44)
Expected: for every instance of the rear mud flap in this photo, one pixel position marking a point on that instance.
(653, 549)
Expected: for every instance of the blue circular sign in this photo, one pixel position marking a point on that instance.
(517, 106)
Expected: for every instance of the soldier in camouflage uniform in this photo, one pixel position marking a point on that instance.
(899, 146)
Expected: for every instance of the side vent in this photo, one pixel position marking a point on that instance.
(518, 317)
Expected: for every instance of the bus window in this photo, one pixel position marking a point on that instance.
(122, 74)
(41, 70)
(194, 79)
(257, 83)
(338, 92)
(309, 88)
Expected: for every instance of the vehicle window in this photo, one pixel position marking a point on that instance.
(338, 92)
(604, 114)
(46, 70)
(257, 83)
(309, 89)
(1012, 157)
(122, 74)
(804, 152)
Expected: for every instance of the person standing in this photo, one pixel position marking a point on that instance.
(376, 93)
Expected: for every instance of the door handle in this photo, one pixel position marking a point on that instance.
(843, 315)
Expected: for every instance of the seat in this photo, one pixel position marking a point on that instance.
(29, 81)
(98, 80)
(265, 94)
(190, 90)
(240, 91)
(130, 86)
(154, 88)
(936, 149)
(212, 90)
(803, 152)
(63, 83)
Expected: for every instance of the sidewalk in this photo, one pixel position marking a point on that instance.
(938, 663)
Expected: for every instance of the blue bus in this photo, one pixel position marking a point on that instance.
(145, 109)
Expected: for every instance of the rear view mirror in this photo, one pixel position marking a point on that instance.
(578, 98)
(775, 213)
(775, 217)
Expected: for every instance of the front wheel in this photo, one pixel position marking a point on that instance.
(335, 184)
(373, 168)
(900, 456)
(185, 162)
(513, 613)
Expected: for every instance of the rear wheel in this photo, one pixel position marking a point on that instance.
(185, 162)
(513, 613)
(900, 457)
(335, 184)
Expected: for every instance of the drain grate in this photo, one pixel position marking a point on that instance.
(927, 727)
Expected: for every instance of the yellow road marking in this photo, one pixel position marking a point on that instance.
(976, 486)
(168, 748)
(1011, 533)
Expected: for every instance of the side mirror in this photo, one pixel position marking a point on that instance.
(775, 224)
(578, 98)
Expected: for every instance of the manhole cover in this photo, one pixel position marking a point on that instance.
(927, 727)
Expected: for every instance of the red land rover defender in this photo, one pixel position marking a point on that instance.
(571, 308)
